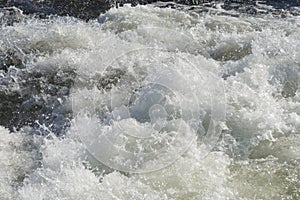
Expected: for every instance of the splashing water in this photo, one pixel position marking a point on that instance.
(150, 103)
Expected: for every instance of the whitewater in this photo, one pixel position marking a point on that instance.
(150, 102)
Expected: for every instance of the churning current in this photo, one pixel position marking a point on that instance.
(150, 102)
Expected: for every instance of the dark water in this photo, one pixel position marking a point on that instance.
(89, 9)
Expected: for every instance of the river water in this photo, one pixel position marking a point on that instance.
(156, 101)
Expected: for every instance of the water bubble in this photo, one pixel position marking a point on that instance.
(152, 112)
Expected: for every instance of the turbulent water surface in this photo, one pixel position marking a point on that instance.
(157, 101)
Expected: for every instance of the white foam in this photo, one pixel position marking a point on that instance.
(135, 60)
